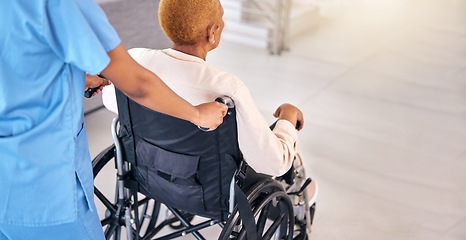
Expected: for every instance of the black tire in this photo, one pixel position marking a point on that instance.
(113, 220)
(272, 209)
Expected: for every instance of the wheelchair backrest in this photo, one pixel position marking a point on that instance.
(175, 162)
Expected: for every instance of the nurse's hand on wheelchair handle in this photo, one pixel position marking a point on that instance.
(290, 113)
(210, 115)
(225, 100)
(94, 84)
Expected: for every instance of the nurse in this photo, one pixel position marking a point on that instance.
(46, 49)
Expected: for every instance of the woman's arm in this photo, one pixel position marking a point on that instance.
(147, 89)
(290, 113)
(266, 151)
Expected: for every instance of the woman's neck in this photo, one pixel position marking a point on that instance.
(193, 50)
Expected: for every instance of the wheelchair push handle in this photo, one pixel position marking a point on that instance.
(89, 92)
(225, 100)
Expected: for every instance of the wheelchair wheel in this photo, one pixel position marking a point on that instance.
(273, 213)
(113, 215)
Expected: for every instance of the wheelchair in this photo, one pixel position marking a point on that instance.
(169, 172)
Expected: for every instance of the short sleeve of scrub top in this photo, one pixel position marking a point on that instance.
(80, 34)
(46, 47)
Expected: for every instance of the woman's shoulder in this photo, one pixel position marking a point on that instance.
(223, 77)
(222, 74)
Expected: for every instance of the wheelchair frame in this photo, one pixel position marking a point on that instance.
(265, 197)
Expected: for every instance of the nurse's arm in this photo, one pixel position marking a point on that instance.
(146, 88)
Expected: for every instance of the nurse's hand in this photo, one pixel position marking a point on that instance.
(210, 115)
(93, 81)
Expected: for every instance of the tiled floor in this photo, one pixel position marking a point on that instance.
(383, 89)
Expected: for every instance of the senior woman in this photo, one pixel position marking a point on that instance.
(195, 28)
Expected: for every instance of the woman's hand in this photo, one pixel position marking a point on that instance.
(93, 81)
(210, 115)
(290, 113)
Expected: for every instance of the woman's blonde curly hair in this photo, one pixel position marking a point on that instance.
(184, 21)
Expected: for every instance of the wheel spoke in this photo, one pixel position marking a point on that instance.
(144, 200)
(117, 234)
(274, 227)
(107, 220)
(263, 219)
(155, 214)
(110, 231)
(142, 214)
(284, 228)
(104, 200)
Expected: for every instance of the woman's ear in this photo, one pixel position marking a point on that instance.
(211, 33)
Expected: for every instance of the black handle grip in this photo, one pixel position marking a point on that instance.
(88, 93)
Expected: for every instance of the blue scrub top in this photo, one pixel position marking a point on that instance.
(46, 47)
